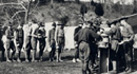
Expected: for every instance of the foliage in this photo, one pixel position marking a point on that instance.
(68, 13)
(99, 10)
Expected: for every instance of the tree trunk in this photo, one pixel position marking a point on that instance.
(27, 12)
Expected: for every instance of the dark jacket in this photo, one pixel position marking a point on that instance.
(20, 33)
(41, 32)
(86, 35)
(77, 29)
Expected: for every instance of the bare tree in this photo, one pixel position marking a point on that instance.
(19, 6)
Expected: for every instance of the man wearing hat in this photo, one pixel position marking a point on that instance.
(1, 44)
(9, 43)
(52, 42)
(85, 37)
(41, 38)
(77, 29)
(19, 36)
(60, 37)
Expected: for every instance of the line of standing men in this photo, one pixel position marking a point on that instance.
(27, 36)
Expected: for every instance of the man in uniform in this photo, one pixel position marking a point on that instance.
(127, 42)
(77, 29)
(115, 34)
(19, 34)
(60, 36)
(41, 38)
(52, 42)
(34, 37)
(85, 37)
(1, 44)
(9, 43)
(27, 40)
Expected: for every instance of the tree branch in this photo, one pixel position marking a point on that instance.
(12, 3)
(17, 13)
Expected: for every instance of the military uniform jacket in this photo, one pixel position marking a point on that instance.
(86, 35)
(41, 32)
(19, 33)
(60, 34)
(51, 35)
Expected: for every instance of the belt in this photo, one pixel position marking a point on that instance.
(83, 41)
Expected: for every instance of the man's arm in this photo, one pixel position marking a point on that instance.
(16, 34)
(95, 35)
(64, 37)
(131, 32)
(56, 35)
(111, 31)
(44, 33)
(49, 36)
(76, 36)
(6, 32)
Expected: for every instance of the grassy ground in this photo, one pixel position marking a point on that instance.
(40, 68)
(47, 67)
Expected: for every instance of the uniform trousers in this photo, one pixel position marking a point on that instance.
(60, 44)
(127, 46)
(9, 44)
(19, 41)
(53, 49)
(42, 44)
(27, 46)
(84, 55)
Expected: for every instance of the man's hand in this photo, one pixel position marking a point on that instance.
(122, 42)
(17, 44)
(57, 46)
(34, 36)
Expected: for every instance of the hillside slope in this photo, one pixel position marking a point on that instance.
(71, 11)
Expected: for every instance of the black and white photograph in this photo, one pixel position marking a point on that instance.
(68, 36)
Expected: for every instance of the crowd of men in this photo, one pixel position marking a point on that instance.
(108, 40)
(90, 41)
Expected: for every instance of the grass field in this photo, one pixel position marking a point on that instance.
(40, 68)
(47, 67)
